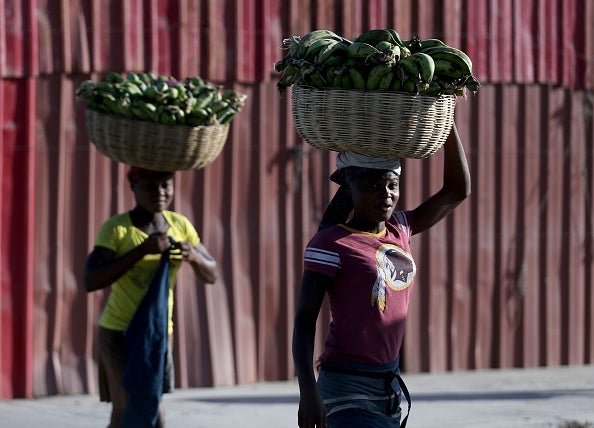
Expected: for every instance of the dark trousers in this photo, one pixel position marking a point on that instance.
(112, 365)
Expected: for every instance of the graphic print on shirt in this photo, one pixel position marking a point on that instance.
(395, 269)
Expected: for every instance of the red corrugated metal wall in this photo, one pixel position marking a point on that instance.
(505, 281)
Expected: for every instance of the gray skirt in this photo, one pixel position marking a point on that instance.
(112, 360)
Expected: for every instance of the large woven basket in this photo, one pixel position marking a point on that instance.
(155, 146)
(373, 122)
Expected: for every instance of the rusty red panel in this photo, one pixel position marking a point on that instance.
(156, 34)
(82, 40)
(9, 138)
(509, 293)
(187, 37)
(50, 293)
(552, 39)
(540, 42)
(580, 44)
(426, 18)
(3, 55)
(299, 17)
(255, 39)
(450, 20)
(133, 35)
(152, 37)
(501, 66)
(50, 48)
(586, 241)
(482, 224)
(218, 41)
(16, 221)
(401, 18)
(352, 22)
(325, 15)
(568, 43)
(291, 182)
(13, 41)
(267, 230)
(434, 262)
(64, 37)
(377, 14)
(243, 67)
(426, 340)
(107, 33)
(575, 192)
(268, 35)
(530, 145)
(553, 200)
(476, 40)
(522, 42)
(460, 258)
(239, 156)
(164, 50)
(587, 56)
(218, 314)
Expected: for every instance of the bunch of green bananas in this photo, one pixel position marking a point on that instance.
(376, 60)
(162, 99)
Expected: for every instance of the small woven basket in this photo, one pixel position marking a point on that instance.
(155, 146)
(373, 122)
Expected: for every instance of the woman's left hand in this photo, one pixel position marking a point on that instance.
(183, 249)
(203, 264)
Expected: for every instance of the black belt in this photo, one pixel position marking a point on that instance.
(388, 376)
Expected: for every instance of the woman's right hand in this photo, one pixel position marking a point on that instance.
(311, 413)
(156, 243)
(102, 268)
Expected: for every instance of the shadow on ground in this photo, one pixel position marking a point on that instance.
(468, 396)
(251, 399)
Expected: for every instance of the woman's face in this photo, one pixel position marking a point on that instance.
(154, 193)
(375, 195)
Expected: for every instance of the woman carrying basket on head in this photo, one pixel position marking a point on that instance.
(361, 258)
(138, 253)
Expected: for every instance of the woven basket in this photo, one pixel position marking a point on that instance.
(373, 122)
(153, 145)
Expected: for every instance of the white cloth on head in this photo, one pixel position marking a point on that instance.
(345, 159)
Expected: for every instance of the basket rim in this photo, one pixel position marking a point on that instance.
(134, 119)
(374, 122)
(154, 145)
(375, 92)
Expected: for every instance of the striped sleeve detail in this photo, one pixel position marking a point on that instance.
(322, 257)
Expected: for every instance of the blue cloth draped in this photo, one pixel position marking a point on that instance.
(146, 341)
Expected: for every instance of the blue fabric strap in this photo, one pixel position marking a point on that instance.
(388, 376)
(146, 342)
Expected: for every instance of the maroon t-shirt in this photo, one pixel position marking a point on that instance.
(373, 276)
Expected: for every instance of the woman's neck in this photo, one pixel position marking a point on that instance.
(147, 221)
(363, 226)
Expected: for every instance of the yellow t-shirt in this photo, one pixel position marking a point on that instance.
(118, 234)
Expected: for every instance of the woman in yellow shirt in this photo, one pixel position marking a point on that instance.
(126, 256)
